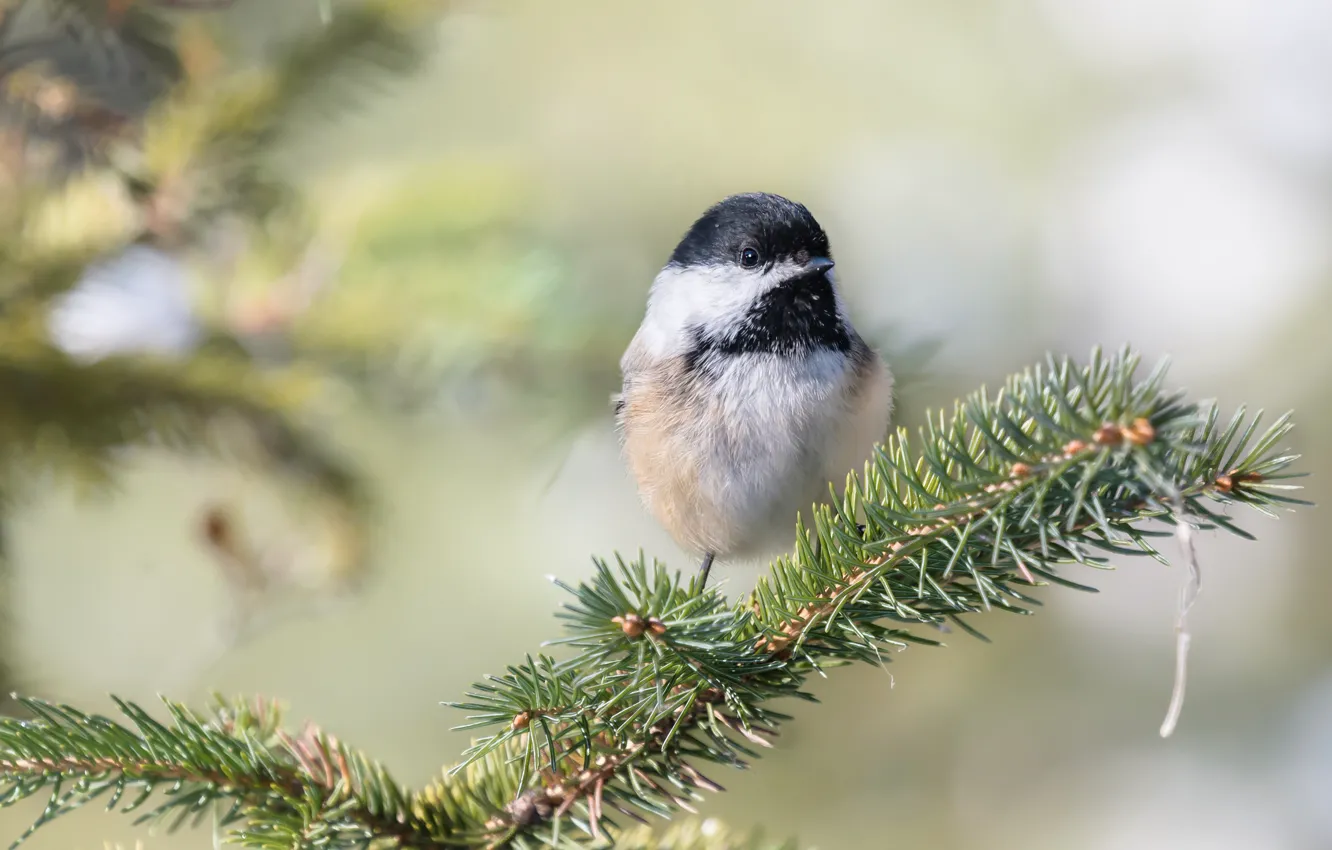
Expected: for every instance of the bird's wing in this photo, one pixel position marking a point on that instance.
(632, 364)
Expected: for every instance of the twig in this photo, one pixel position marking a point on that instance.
(1188, 594)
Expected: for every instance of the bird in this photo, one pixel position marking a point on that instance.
(746, 390)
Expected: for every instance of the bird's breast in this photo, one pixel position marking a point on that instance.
(723, 455)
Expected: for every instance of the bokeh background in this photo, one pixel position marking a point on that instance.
(999, 178)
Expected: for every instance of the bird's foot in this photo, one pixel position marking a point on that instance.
(704, 570)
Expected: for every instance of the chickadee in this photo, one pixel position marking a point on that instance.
(746, 389)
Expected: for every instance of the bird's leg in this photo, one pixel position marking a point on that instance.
(703, 570)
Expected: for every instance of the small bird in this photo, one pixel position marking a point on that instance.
(747, 391)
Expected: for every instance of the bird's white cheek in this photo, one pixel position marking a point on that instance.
(683, 299)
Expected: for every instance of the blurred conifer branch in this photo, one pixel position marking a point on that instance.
(126, 147)
(447, 299)
(1065, 464)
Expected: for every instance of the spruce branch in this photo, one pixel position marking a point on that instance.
(80, 415)
(79, 72)
(207, 141)
(310, 790)
(274, 789)
(529, 342)
(119, 24)
(199, 154)
(109, 84)
(1064, 465)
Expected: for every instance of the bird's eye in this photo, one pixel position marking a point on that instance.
(749, 258)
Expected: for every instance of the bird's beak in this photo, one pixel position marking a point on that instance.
(818, 266)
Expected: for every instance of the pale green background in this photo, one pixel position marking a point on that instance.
(1009, 176)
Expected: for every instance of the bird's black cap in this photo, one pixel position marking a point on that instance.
(778, 228)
